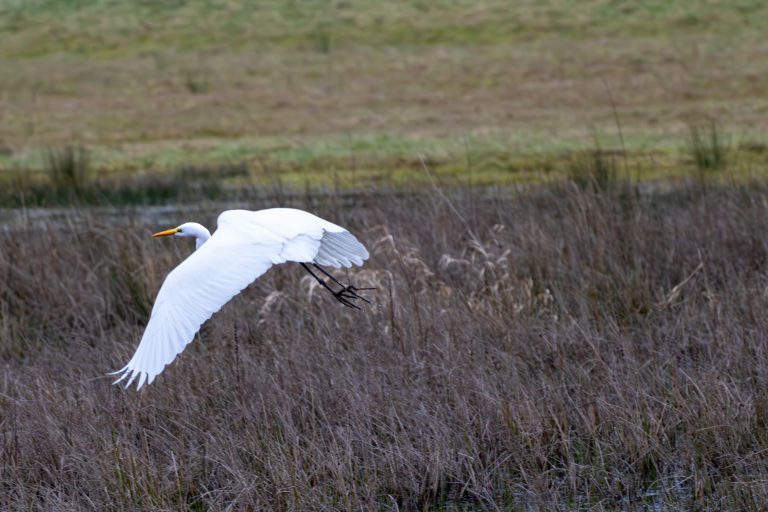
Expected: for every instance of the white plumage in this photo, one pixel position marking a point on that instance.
(245, 245)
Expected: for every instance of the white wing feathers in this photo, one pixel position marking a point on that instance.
(245, 245)
(340, 249)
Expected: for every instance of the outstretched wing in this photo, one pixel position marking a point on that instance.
(309, 238)
(245, 245)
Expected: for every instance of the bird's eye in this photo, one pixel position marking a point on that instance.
(178, 230)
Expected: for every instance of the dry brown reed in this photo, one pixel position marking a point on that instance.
(555, 349)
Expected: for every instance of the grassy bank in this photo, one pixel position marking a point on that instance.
(557, 349)
(70, 177)
(308, 88)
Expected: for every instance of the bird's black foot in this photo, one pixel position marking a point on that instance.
(349, 293)
(346, 295)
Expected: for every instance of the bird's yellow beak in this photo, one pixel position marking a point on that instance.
(167, 232)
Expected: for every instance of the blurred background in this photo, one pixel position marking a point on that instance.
(363, 94)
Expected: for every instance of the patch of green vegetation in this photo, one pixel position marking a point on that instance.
(707, 148)
(68, 167)
(594, 170)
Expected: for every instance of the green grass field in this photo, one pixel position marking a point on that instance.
(360, 92)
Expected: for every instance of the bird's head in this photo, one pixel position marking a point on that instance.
(188, 229)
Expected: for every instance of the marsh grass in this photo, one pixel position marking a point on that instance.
(68, 168)
(594, 170)
(707, 148)
(554, 350)
(69, 182)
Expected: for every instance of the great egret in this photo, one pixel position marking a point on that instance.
(245, 245)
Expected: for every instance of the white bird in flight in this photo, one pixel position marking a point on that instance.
(245, 245)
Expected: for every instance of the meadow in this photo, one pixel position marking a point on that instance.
(490, 93)
(565, 205)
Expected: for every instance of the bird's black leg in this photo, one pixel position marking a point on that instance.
(347, 293)
(345, 288)
(350, 289)
(321, 269)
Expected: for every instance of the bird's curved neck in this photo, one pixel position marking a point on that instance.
(200, 233)
(200, 240)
